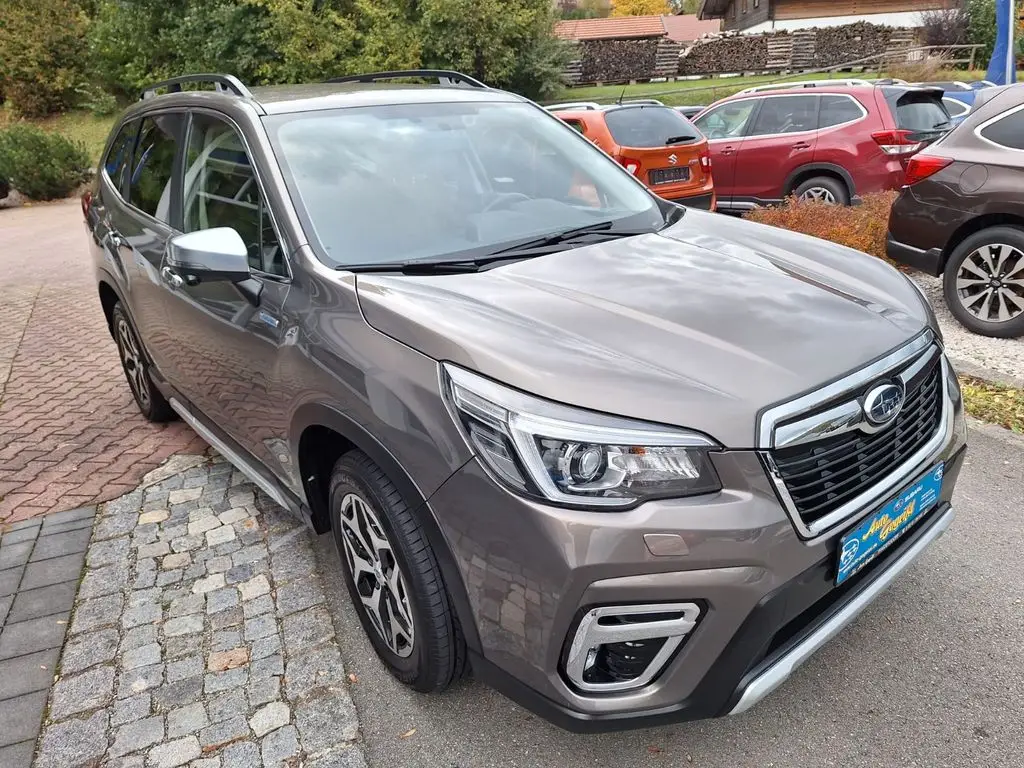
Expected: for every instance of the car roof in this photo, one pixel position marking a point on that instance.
(229, 93)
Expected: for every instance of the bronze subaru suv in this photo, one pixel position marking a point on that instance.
(628, 462)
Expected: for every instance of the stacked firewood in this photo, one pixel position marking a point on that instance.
(609, 61)
(807, 49)
(850, 42)
(735, 53)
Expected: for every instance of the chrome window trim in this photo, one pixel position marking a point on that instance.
(996, 119)
(747, 135)
(861, 504)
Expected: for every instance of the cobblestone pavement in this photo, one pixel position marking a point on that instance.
(200, 637)
(70, 434)
(40, 564)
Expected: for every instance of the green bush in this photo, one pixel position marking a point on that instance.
(42, 54)
(41, 165)
(981, 28)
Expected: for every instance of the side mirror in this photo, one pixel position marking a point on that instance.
(209, 254)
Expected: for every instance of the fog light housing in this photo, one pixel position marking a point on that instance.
(624, 647)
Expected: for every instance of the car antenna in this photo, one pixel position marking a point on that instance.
(619, 102)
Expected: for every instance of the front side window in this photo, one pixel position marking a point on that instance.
(726, 121)
(120, 154)
(837, 109)
(642, 127)
(153, 164)
(1007, 131)
(786, 114)
(220, 190)
(418, 182)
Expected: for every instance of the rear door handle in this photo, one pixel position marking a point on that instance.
(801, 145)
(728, 150)
(171, 277)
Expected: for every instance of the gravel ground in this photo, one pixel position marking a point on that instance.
(1004, 356)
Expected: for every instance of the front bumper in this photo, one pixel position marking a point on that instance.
(531, 572)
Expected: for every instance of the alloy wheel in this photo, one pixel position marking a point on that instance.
(990, 283)
(378, 578)
(134, 367)
(819, 193)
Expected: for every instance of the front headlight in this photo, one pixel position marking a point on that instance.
(571, 456)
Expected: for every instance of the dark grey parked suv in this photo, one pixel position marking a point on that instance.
(630, 463)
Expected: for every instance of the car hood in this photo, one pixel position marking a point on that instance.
(702, 325)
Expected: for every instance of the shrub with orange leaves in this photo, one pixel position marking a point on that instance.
(858, 226)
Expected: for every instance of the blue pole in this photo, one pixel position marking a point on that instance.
(1002, 68)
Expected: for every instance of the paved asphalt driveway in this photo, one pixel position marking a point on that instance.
(929, 676)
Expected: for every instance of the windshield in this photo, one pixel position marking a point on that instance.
(410, 182)
(642, 127)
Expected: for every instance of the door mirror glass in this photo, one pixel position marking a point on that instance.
(209, 254)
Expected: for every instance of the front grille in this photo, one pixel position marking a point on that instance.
(668, 175)
(823, 475)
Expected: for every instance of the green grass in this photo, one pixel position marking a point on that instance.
(82, 126)
(710, 89)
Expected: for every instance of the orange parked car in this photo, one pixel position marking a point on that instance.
(653, 142)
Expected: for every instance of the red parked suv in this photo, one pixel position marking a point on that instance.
(831, 140)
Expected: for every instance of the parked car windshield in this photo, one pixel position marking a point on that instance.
(648, 126)
(415, 182)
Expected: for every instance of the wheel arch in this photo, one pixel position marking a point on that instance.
(108, 298)
(976, 225)
(320, 435)
(809, 171)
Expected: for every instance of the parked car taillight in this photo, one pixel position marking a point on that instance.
(896, 142)
(630, 165)
(921, 167)
(86, 203)
(705, 160)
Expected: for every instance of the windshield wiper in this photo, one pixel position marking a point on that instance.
(600, 228)
(678, 140)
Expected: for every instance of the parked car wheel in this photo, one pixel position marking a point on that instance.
(823, 188)
(151, 402)
(393, 577)
(984, 282)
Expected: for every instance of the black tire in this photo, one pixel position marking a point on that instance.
(135, 364)
(958, 299)
(833, 186)
(437, 654)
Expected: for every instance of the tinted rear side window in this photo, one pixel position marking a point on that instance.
(836, 110)
(1007, 131)
(786, 114)
(120, 153)
(153, 165)
(648, 126)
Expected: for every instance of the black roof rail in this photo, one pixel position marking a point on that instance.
(223, 83)
(442, 75)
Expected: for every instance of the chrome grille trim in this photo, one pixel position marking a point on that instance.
(833, 419)
(779, 413)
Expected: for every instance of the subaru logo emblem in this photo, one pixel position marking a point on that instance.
(883, 403)
(672, 159)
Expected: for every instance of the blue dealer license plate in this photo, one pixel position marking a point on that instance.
(876, 532)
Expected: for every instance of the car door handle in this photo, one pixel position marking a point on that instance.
(801, 145)
(171, 277)
(728, 150)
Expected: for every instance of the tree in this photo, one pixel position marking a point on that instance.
(506, 43)
(41, 62)
(641, 8)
